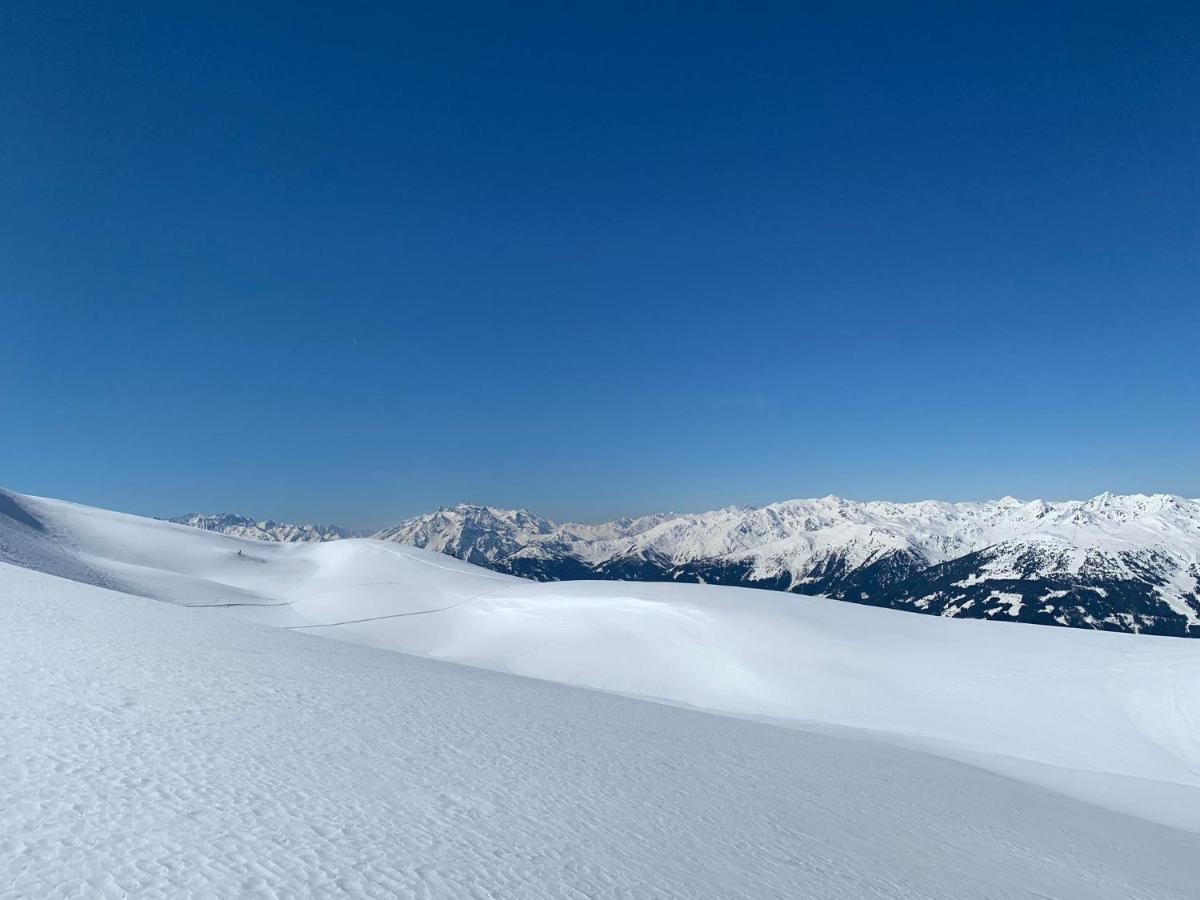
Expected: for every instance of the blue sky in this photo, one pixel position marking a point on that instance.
(348, 264)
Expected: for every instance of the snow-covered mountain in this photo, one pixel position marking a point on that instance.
(266, 530)
(174, 725)
(1120, 563)
(1108, 718)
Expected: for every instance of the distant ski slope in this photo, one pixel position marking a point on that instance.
(1106, 717)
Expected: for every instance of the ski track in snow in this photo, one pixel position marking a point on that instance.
(416, 612)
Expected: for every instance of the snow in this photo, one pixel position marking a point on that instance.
(1014, 602)
(155, 749)
(265, 530)
(790, 536)
(1150, 544)
(1140, 539)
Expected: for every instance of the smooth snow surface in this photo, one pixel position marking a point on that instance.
(157, 750)
(152, 751)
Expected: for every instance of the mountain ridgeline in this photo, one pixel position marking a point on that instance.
(1116, 563)
(266, 530)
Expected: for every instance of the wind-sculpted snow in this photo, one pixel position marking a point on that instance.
(153, 751)
(1113, 563)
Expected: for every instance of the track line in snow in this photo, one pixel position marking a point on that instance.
(230, 605)
(458, 571)
(416, 612)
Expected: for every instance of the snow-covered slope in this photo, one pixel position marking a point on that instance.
(266, 530)
(1108, 718)
(152, 751)
(1128, 563)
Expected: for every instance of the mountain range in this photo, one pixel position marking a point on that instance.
(339, 709)
(1116, 563)
(266, 530)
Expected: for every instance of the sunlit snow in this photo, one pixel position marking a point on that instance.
(154, 749)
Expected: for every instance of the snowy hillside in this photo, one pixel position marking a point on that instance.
(208, 741)
(1128, 563)
(1108, 718)
(153, 751)
(266, 530)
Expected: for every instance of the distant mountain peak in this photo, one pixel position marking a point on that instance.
(265, 530)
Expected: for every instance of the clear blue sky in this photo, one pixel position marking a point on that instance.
(347, 263)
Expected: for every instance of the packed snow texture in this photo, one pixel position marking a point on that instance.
(158, 750)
